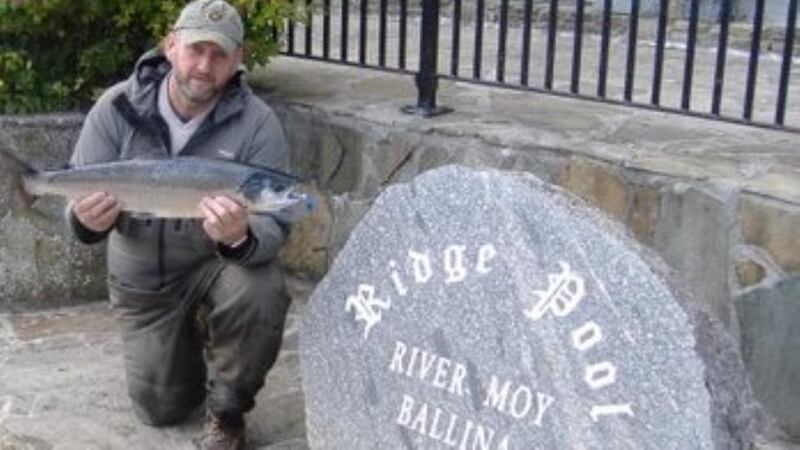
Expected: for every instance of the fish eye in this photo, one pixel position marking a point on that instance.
(279, 187)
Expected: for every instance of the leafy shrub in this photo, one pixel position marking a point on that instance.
(59, 54)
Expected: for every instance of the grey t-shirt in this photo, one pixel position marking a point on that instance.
(180, 131)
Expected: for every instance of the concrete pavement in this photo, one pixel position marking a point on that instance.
(62, 387)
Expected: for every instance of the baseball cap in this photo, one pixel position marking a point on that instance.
(212, 21)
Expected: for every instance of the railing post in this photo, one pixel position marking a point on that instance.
(427, 78)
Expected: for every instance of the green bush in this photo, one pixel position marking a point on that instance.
(60, 54)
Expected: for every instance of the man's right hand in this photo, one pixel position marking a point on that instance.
(97, 212)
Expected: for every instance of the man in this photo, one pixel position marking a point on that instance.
(188, 98)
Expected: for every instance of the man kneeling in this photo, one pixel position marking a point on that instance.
(188, 98)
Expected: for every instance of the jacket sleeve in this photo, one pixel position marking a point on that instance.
(269, 148)
(98, 142)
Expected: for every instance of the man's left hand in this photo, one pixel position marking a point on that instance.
(225, 219)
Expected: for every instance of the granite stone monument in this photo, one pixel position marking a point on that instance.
(484, 310)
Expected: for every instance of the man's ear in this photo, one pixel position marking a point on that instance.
(240, 55)
(168, 44)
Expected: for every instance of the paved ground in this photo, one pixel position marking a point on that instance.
(62, 387)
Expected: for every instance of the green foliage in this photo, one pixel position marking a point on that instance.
(59, 54)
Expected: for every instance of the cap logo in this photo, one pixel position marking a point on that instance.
(217, 17)
(215, 14)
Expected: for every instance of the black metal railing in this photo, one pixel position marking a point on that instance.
(657, 60)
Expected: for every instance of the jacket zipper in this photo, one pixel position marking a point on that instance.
(162, 224)
(162, 260)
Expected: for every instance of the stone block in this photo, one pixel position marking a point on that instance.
(693, 236)
(342, 160)
(774, 226)
(769, 319)
(306, 247)
(330, 153)
(346, 213)
(384, 158)
(543, 163)
(643, 214)
(389, 157)
(40, 270)
(430, 157)
(597, 183)
(749, 273)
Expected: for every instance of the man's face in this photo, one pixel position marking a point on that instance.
(200, 70)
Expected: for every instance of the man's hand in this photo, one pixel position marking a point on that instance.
(225, 219)
(97, 212)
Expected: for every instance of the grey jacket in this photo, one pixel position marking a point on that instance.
(150, 255)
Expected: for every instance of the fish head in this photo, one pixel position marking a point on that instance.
(266, 194)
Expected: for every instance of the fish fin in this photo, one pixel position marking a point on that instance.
(19, 170)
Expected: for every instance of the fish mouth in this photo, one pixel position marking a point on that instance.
(305, 200)
(289, 206)
(300, 199)
(285, 199)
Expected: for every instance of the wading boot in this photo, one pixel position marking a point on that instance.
(222, 433)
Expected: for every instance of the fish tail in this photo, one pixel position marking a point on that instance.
(19, 171)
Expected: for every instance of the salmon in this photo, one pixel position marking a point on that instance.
(166, 188)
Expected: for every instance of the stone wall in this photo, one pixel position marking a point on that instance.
(723, 243)
(735, 248)
(40, 265)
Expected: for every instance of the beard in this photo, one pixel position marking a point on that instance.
(197, 90)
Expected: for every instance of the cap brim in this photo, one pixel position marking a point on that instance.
(189, 36)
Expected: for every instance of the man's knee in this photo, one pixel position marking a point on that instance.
(257, 293)
(261, 281)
